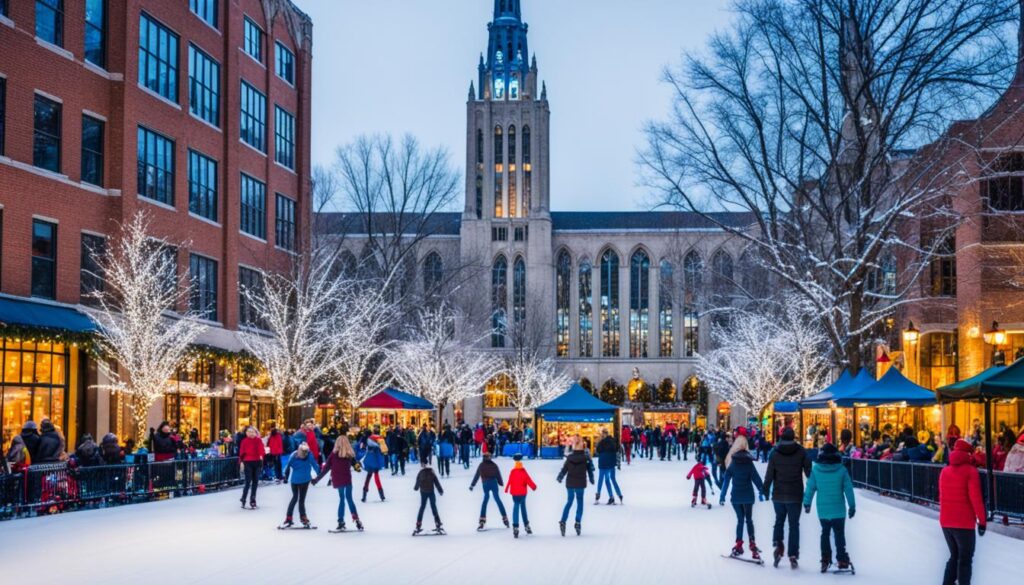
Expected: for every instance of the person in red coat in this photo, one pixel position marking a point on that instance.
(699, 473)
(250, 453)
(627, 441)
(478, 438)
(275, 444)
(519, 481)
(961, 509)
(314, 446)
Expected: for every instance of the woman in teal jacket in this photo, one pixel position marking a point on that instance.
(830, 480)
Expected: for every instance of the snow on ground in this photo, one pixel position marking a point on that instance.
(655, 538)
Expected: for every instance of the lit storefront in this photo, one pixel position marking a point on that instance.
(778, 416)
(37, 383)
(390, 407)
(576, 412)
(724, 412)
(821, 419)
(497, 401)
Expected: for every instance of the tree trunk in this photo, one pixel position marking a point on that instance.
(140, 416)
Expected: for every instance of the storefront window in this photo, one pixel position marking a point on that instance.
(497, 391)
(34, 385)
(938, 359)
(190, 412)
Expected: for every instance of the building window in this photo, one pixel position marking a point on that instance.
(512, 202)
(1004, 191)
(943, 269)
(254, 207)
(563, 297)
(499, 295)
(203, 86)
(46, 135)
(3, 7)
(519, 234)
(639, 303)
(50, 21)
(499, 170)
(44, 259)
(433, 273)
(203, 298)
(586, 310)
(253, 40)
(3, 113)
(34, 384)
(284, 62)
(519, 291)
(938, 359)
(499, 234)
(169, 266)
(205, 9)
(882, 279)
(693, 283)
(479, 172)
(284, 137)
(250, 288)
(666, 287)
(527, 173)
(95, 32)
(498, 390)
(254, 117)
(158, 58)
(202, 185)
(284, 231)
(156, 167)
(610, 304)
(94, 251)
(92, 151)
(722, 283)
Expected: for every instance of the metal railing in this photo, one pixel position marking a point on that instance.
(60, 487)
(919, 482)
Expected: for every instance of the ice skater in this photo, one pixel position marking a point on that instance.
(340, 463)
(607, 461)
(741, 475)
(298, 472)
(250, 453)
(373, 462)
(519, 481)
(831, 482)
(961, 511)
(577, 469)
(700, 474)
(489, 473)
(784, 483)
(426, 483)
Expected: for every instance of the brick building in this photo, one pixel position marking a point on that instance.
(197, 113)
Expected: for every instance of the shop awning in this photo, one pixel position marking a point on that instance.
(892, 388)
(577, 405)
(32, 314)
(786, 407)
(997, 382)
(394, 399)
(844, 386)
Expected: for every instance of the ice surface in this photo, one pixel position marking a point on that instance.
(655, 538)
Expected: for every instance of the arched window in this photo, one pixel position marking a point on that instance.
(586, 310)
(753, 276)
(943, 269)
(527, 172)
(499, 300)
(433, 273)
(499, 170)
(512, 207)
(498, 391)
(639, 303)
(519, 291)
(610, 304)
(563, 290)
(666, 286)
(722, 278)
(693, 284)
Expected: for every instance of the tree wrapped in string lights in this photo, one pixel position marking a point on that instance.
(536, 381)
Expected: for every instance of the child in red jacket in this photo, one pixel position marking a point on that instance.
(518, 482)
(250, 453)
(700, 473)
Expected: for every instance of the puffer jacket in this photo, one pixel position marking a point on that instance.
(50, 445)
(1015, 458)
(607, 453)
(742, 476)
(300, 469)
(831, 482)
(487, 471)
(960, 502)
(788, 463)
(576, 470)
(519, 481)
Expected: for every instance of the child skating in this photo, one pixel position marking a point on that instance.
(741, 475)
(426, 483)
(830, 480)
(699, 473)
(518, 483)
(489, 473)
(298, 472)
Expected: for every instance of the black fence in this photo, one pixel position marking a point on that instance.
(919, 482)
(59, 487)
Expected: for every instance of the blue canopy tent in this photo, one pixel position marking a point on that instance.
(892, 388)
(779, 415)
(576, 411)
(819, 410)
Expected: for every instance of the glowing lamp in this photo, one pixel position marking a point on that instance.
(995, 335)
(911, 334)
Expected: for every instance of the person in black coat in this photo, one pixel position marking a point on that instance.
(30, 434)
(787, 468)
(577, 469)
(111, 450)
(51, 444)
(426, 484)
(721, 449)
(465, 443)
(426, 441)
(88, 452)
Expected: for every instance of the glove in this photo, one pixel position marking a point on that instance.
(721, 502)
(315, 480)
(981, 530)
(852, 512)
(807, 508)
(760, 497)
(470, 488)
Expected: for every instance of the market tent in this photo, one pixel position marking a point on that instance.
(892, 388)
(577, 405)
(393, 399)
(969, 389)
(844, 386)
(786, 407)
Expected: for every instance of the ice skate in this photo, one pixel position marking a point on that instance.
(826, 563)
(693, 502)
(845, 567)
(561, 527)
(505, 520)
(737, 551)
(704, 503)
(483, 523)
(418, 529)
(252, 505)
(621, 503)
(305, 522)
(381, 492)
(755, 552)
(515, 531)
(359, 525)
(286, 524)
(597, 499)
(364, 495)
(438, 527)
(243, 502)
(611, 501)
(340, 528)
(579, 528)
(778, 553)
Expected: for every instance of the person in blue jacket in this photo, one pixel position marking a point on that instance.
(607, 460)
(831, 482)
(299, 471)
(742, 476)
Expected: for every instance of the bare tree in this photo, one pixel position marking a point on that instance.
(802, 115)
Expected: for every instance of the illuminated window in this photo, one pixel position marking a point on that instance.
(519, 291)
(563, 290)
(610, 304)
(666, 286)
(499, 301)
(639, 303)
(499, 169)
(586, 310)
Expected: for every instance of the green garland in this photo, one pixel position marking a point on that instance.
(84, 341)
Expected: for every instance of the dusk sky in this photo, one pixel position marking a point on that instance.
(400, 66)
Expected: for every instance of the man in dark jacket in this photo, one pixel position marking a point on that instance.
(721, 449)
(51, 445)
(489, 473)
(426, 442)
(607, 460)
(787, 467)
(30, 434)
(465, 441)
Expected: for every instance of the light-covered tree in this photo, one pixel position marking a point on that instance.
(536, 383)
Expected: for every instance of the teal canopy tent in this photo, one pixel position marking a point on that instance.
(892, 388)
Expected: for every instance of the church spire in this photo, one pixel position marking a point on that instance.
(507, 8)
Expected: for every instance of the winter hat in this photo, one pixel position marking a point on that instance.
(304, 446)
(742, 432)
(788, 434)
(519, 456)
(922, 436)
(30, 426)
(486, 454)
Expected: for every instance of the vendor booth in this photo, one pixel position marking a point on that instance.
(575, 412)
(821, 420)
(391, 406)
(890, 405)
(777, 416)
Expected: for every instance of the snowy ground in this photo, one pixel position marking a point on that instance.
(655, 538)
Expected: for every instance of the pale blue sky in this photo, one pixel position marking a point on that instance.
(405, 66)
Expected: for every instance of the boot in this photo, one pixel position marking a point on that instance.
(794, 563)
(419, 529)
(242, 499)
(483, 522)
(611, 501)
(252, 504)
(693, 502)
(826, 562)
(737, 550)
(359, 525)
(704, 503)
(305, 521)
(438, 527)
(505, 520)
(527, 527)
(341, 526)
(381, 492)
(364, 495)
(287, 522)
(579, 528)
(780, 550)
(844, 565)
(755, 552)
(561, 527)
(515, 531)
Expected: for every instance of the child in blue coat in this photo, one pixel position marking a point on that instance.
(830, 480)
(301, 468)
(741, 474)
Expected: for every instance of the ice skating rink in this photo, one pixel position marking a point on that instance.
(655, 538)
